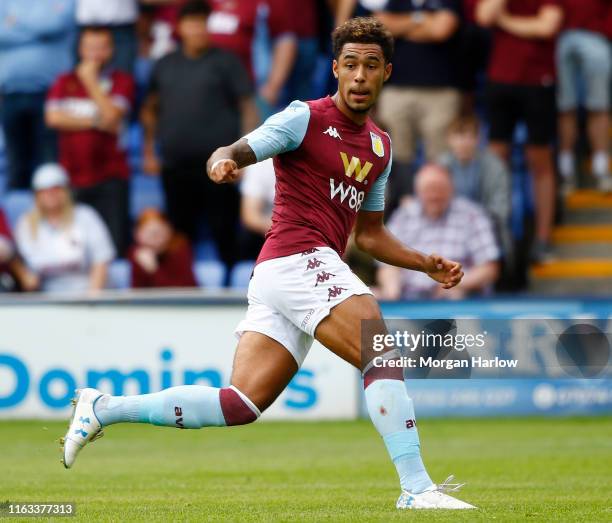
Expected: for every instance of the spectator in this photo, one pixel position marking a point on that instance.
(200, 99)
(120, 17)
(161, 257)
(7, 255)
(305, 19)
(583, 53)
(257, 191)
(232, 26)
(14, 275)
(67, 248)
(88, 107)
(472, 53)
(521, 87)
(345, 9)
(35, 46)
(479, 175)
(453, 227)
(421, 98)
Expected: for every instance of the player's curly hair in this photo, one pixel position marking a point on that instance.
(363, 30)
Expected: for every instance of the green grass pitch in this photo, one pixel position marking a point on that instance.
(516, 469)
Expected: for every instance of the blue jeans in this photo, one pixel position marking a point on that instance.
(29, 142)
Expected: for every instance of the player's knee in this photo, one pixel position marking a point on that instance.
(370, 311)
(237, 408)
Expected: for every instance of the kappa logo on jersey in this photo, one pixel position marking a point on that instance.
(377, 145)
(314, 264)
(333, 132)
(334, 292)
(310, 251)
(354, 167)
(322, 277)
(410, 423)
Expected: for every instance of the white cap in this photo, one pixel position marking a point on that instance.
(50, 175)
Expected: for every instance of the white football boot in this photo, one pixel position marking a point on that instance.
(84, 426)
(434, 498)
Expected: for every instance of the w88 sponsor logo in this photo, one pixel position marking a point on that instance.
(346, 192)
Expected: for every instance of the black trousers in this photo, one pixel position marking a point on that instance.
(29, 142)
(192, 199)
(111, 199)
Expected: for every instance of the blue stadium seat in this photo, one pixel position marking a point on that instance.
(206, 251)
(145, 191)
(17, 203)
(119, 275)
(241, 274)
(209, 274)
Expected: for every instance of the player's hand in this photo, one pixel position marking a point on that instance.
(444, 271)
(224, 171)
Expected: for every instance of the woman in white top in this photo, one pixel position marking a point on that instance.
(67, 247)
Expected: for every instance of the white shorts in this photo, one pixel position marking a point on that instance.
(289, 296)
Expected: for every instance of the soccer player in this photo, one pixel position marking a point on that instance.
(332, 164)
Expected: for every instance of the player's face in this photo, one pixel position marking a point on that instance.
(361, 72)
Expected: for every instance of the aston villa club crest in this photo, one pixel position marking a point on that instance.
(377, 145)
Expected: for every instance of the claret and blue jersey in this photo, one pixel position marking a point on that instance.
(328, 168)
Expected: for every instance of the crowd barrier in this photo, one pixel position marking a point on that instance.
(132, 343)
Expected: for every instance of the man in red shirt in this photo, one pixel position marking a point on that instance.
(332, 164)
(88, 107)
(232, 26)
(584, 52)
(522, 87)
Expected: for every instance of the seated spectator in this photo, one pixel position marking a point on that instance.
(257, 191)
(88, 106)
(7, 254)
(478, 174)
(161, 257)
(583, 52)
(36, 44)
(13, 273)
(453, 227)
(66, 247)
(257, 200)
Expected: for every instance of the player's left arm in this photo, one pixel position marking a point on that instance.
(373, 237)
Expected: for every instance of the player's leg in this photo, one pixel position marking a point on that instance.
(262, 369)
(388, 403)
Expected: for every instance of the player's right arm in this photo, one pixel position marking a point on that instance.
(281, 133)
